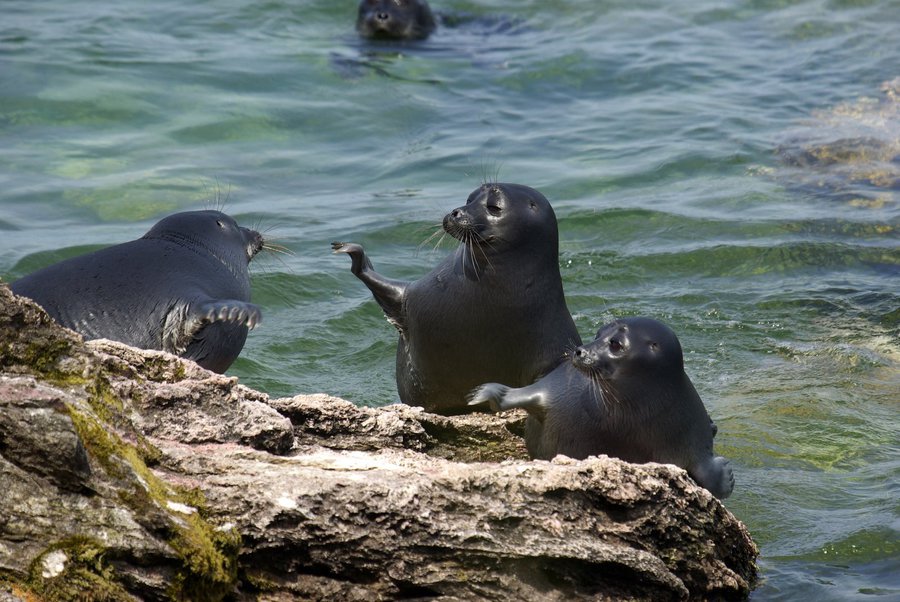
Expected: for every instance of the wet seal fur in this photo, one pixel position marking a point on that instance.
(493, 310)
(624, 394)
(395, 19)
(184, 287)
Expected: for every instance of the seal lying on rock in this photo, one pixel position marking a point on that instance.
(493, 310)
(624, 394)
(395, 19)
(184, 287)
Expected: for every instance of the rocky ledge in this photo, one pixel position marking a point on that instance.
(135, 475)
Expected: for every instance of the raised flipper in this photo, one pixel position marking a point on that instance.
(184, 321)
(715, 476)
(388, 293)
(502, 398)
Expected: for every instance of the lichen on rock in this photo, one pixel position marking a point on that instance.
(135, 474)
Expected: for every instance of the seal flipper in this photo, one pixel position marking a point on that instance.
(184, 321)
(388, 293)
(715, 476)
(502, 398)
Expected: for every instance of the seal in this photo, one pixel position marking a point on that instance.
(625, 394)
(184, 287)
(395, 19)
(492, 310)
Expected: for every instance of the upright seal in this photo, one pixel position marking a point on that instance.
(494, 310)
(395, 19)
(624, 394)
(184, 287)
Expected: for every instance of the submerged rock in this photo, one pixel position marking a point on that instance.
(134, 474)
(850, 152)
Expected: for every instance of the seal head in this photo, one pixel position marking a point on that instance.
(395, 19)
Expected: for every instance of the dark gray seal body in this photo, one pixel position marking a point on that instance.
(625, 394)
(184, 287)
(395, 19)
(492, 310)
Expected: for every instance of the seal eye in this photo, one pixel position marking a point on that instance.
(615, 345)
(494, 210)
(220, 223)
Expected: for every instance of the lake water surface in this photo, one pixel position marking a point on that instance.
(728, 167)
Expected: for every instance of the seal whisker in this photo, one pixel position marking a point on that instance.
(597, 392)
(218, 202)
(439, 242)
(277, 258)
(482, 241)
(473, 257)
(277, 248)
(438, 232)
(609, 393)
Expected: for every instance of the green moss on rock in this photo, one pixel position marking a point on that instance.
(76, 569)
(208, 555)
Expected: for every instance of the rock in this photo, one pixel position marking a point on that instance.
(338, 424)
(33, 417)
(850, 152)
(131, 474)
(184, 402)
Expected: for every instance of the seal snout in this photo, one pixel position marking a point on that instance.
(457, 223)
(255, 242)
(583, 358)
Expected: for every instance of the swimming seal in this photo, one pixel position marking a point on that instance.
(492, 310)
(625, 394)
(184, 287)
(395, 19)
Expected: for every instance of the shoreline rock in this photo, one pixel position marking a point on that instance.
(131, 474)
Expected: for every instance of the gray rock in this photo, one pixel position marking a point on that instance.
(130, 474)
(33, 417)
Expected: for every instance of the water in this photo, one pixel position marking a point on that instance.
(671, 138)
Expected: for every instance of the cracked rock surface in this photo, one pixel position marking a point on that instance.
(136, 475)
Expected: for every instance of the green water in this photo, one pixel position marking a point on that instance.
(666, 135)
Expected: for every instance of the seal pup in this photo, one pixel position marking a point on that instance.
(624, 394)
(395, 19)
(492, 310)
(184, 287)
